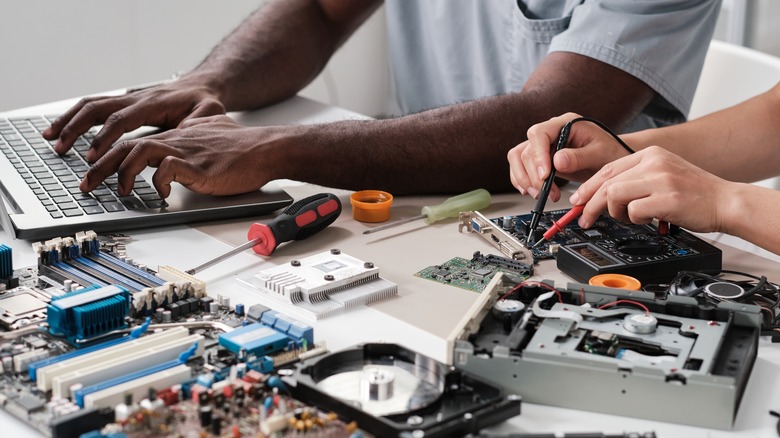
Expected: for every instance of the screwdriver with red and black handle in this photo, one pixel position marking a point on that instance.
(299, 221)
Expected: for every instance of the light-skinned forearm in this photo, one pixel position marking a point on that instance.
(752, 213)
(279, 49)
(740, 143)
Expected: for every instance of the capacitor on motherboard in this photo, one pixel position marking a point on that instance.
(508, 311)
(166, 316)
(122, 411)
(216, 426)
(213, 307)
(239, 309)
(205, 302)
(205, 415)
(158, 313)
(507, 223)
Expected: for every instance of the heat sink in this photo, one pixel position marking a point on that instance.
(6, 262)
(88, 312)
(321, 285)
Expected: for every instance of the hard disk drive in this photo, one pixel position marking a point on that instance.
(392, 391)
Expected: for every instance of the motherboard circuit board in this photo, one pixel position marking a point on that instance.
(94, 344)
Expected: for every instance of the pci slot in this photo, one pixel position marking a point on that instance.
(80, 393)
(45, 374)
(135, 334)
(138, 388)
(103, 366)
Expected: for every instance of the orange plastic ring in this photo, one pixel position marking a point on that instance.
(617, 281)
(371, 205)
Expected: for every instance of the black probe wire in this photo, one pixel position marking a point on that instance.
(563, 138)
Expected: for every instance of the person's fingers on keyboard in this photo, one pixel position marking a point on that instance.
(176, 169)
(53, 131)
(61, 128)
(92, 113)
(162, 107)
(111, 162)
(122, 121)
(144, 153)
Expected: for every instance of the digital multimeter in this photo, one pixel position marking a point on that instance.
(610, 246)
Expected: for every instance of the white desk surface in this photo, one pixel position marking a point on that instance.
(425, 311)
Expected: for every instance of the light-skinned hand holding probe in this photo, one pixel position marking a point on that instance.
(473, 200)
(563, 140)
(299, 221)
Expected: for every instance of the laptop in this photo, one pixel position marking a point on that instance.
(41, 198)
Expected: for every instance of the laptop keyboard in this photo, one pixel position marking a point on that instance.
(55, 179)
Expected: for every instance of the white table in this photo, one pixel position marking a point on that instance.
(424, 312)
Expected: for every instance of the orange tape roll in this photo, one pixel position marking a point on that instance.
(617, 281)
(371, 205)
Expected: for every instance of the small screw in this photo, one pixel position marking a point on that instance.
(335, 251)
(329, 277)
(368, 265)
(414, 420)
(295, 263)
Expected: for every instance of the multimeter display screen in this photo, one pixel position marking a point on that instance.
(593, 255)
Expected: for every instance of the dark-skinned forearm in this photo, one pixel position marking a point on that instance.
(279, 49)
(446, 150)
(459, 147)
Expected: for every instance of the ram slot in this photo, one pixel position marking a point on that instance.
(62, 271)
(106, 367)
(45, 374)
(127, 269)
(105, 274)
(138, 388)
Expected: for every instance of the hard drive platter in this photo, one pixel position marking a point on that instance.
(392, 391)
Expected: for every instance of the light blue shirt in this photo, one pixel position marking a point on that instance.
(448, 51)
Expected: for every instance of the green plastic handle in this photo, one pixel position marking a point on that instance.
(473, 200)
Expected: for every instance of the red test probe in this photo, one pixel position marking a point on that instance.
(560, 224)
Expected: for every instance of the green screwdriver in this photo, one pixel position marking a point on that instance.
(473, 200)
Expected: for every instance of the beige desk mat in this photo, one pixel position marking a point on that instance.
(401, 252)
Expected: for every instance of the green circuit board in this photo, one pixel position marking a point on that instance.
(476, 273)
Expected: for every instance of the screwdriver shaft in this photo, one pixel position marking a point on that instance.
(228, 254)
(395, 223)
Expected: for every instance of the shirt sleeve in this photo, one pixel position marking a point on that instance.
(661, 42)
